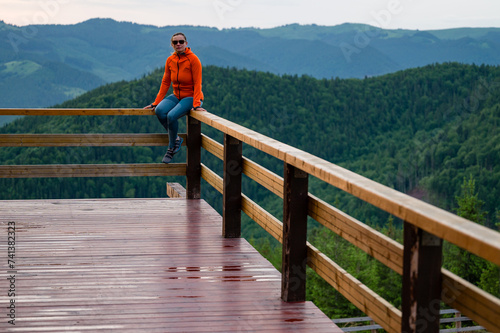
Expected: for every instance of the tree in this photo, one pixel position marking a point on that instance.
(458, 260)
(490, 278)
(469, 205)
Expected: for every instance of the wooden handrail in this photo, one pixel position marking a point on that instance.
(75, 112)
(92, 170)
(379, 246)
(462, 295)
(468, 235)
(84, 140)
(386, 250)
(488, 315)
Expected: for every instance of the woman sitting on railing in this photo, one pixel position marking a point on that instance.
(184, 71)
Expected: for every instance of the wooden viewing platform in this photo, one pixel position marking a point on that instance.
(140, 265)
(100, 264)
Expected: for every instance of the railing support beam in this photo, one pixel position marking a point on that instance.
(421, 296)
(193, 170)
(231, 205)
(295, 207)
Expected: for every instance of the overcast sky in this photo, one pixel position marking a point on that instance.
(390, 14)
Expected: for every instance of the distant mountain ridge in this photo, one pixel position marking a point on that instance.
(41, 65)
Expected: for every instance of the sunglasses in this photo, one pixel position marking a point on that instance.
(178, 41)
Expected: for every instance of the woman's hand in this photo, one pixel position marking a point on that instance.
(199, 108)
(150, 106)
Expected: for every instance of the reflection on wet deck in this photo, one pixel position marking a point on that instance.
(141, 265)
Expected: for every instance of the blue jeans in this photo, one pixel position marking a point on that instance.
(169, 111)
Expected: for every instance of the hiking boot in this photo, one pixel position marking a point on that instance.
(172, 151)
(178, 144)
(168, 156)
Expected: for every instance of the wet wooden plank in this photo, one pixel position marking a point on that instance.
(152, 265)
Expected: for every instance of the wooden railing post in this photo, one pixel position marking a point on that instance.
(231, 206)
(458, 323)
(421, 296)
(295, 205)
(193, 169)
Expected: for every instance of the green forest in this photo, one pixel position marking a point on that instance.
(431, 132)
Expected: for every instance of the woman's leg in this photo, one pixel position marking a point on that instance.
(163, 108)
(180, 110)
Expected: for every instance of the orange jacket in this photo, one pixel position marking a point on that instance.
(184, 72)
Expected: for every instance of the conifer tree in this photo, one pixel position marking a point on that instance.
(457, 260)
(490, 278)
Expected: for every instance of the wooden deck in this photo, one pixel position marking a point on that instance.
(138, 265)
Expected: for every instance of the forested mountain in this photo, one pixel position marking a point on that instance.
(58, 62)
(27, 82)
(421, 131)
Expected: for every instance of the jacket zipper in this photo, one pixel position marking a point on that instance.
(178, 70)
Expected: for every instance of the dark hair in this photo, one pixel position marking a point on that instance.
(176, 34)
